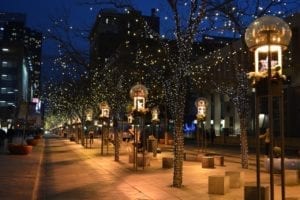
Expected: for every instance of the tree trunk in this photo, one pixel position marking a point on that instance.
(244, 143)
(178, 153)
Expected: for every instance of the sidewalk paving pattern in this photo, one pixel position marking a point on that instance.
(69, 171)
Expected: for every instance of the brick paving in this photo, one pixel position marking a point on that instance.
(69, 171)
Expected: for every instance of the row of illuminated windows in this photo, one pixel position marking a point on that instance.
(8, 77)
(8, 90)
(6, 103)
(8, 64)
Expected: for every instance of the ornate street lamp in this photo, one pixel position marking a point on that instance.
(201, 105)
(104, 108)
(88, 123)
(138, 94)
(155, 114)
(129, 118)
(268, 36)
(104, 117)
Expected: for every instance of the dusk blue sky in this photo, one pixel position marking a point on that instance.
(38, 13)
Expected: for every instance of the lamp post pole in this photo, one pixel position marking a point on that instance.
(268, 36)
(270, 114)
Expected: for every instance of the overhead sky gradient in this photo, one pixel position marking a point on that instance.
(39, 12)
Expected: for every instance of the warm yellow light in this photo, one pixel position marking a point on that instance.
(261, 57)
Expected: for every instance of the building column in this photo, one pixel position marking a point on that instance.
(236, 124)
(208, 113)
(217, 114)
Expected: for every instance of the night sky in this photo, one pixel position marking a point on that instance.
(38, 13)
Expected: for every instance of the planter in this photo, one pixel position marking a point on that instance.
(32, 142)
(19, 149)
(293, 164)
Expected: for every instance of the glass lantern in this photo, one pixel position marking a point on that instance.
(268, 36)
(139, 94)
(89, 114)
(201, 105)
(104, 109)
(155, 114)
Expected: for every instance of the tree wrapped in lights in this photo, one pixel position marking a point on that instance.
(215, 17)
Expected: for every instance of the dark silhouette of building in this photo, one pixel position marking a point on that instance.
(113, 30)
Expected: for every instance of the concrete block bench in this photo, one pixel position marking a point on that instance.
(143, 161)
(250, 191)
(219, 160)
(167, 162)
(236, 178)
(292, 177)
(188, 156)
(218, 184)
(131, 158)
(208, 162)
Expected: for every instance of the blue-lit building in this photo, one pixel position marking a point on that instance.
(20, 65)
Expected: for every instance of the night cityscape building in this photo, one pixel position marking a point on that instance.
(113, 29)
(20, 65)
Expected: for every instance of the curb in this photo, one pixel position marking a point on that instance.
(35, 191)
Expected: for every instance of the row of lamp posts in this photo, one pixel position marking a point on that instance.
(267, 36)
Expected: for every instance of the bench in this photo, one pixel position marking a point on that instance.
(219, 160)
(167, 162)
(190, 156)
(208, 162)
(236, 178)
(218, 184)
(250, 191)
(143, 161)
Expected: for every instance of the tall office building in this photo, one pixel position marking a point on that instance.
(113, 29)
(20, 64)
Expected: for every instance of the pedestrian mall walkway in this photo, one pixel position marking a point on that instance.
(70, 171)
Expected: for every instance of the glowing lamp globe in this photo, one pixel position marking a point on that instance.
(89, 114)
(139, 94)
(155, 114)
(129, 118)
(201, 105)
(267, 37)
(104, 109)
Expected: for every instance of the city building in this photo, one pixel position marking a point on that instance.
(113, 30)
(20, 65)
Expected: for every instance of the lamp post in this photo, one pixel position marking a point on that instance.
(138, 94)
(88, 123)
(155, 121)
(104, 117)
(201, 105)
(268, 36)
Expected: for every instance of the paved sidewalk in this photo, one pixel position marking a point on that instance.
(19, 174)
(69, 171)
(73, 172)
